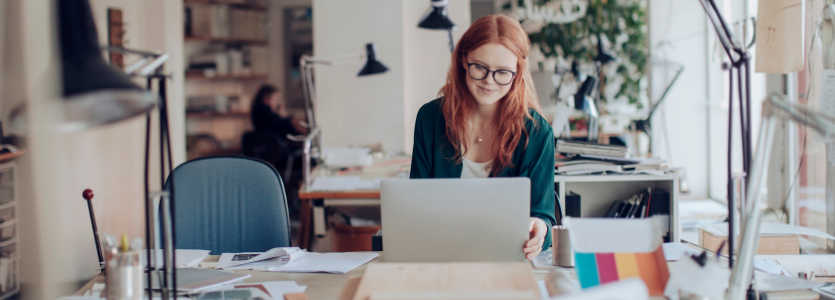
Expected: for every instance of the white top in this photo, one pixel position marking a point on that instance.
(475, 170)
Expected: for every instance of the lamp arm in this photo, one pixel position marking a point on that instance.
(306, 152)
(775, 107)
(679, 70)
(725, 35)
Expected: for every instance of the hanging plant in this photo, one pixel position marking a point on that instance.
(622, 24)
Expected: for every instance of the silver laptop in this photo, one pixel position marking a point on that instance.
(451, 220)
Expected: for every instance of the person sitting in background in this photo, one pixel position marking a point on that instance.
(270, 114)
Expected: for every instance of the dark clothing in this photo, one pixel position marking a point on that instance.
(434, 157)
(264, 118)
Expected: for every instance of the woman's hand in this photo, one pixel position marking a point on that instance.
(538, 230)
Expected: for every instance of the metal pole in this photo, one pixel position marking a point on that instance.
(743, 271)
(730, 197)
(828, 61)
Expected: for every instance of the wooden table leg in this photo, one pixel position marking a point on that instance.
(305, 222)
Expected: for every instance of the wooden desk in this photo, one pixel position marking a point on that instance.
(320, 286)
(382, 168)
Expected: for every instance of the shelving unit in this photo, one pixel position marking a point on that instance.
(223, 28)
(597, 192)
(9, 236)
(233, 3)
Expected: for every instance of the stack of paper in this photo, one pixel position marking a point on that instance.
(259, 260)
(295, 260)
(344, 183)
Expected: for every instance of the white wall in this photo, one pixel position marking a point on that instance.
(427, 58)
(380, 108)
(685, 106)
(56, 240)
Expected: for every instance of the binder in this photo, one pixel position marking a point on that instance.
(572, 205)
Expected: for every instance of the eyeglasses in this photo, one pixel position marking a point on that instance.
(500, 76)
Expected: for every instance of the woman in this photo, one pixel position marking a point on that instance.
(268, 112)
(487, 121)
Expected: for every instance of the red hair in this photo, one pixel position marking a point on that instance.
(458, 103)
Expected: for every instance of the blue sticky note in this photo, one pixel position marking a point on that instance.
(586, 266)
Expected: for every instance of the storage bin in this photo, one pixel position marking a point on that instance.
(349, 238)
(7, 214)
(9, 281)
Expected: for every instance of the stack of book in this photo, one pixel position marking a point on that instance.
(590, 164)
(588, 148)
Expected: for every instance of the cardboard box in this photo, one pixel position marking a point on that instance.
(769, 244)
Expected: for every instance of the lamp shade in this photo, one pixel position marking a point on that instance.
(437, 18)
(602, 56)
(584, 91)
(372, 65)
(94, 92)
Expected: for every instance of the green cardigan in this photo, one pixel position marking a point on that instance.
(434, 157)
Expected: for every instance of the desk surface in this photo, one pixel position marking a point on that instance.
(320, 286)
(382, 168)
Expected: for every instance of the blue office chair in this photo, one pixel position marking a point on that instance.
(229, 204)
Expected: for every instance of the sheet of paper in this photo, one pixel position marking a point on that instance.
(822, 265)
(779, 36)
(344, 183)
(600, 235)
(775, 283)
(675, 250)
(326, 263)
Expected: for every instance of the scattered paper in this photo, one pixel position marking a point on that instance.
(337, 263)
(259, 260)
(709, 281)
(822, 265)
(770, 267)
(775, 283)
(628, 289)
(675, 250)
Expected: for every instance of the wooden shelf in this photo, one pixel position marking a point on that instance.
(8, 156)
(218, 115)
(197, 76)
(237, 4)
(190, 39)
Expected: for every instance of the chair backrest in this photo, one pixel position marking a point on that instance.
(264, 145)
(229, 204)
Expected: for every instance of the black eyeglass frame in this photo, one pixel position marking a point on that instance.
(469, 64)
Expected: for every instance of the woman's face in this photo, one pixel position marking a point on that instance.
(273, 100)
(481, 62)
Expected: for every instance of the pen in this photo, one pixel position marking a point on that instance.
(124, 245)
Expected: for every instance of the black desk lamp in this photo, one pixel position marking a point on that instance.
(372, 65)
(437, 19)
(583, 101)
(94, 93)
